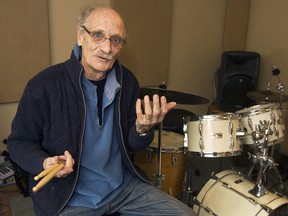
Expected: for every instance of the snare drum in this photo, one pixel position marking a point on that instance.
(252, 116)
(172, 161)
(214, 135)
(227, 194)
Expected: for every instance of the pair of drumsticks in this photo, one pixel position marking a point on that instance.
(47, 175)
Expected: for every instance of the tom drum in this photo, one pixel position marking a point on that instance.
(214, 135)
(251, 117)
(172, 161)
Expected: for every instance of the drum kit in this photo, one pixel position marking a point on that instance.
(217, 136)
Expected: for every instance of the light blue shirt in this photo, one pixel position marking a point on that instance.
(102, 172)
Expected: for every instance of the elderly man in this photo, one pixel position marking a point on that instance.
(86, 114)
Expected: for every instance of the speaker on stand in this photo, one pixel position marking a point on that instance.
(237, 75)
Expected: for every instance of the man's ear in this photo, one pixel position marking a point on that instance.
(79, 36)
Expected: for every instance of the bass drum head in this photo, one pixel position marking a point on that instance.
(169, 141)
(227, 194)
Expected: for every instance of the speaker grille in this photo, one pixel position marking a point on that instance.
(238, 74)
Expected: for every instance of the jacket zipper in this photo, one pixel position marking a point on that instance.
(80, 144)
(121, 133)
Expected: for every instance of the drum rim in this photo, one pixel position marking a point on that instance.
(270, 143)
(166, 150)
(215, 154)
(257, 108)
(222, 116)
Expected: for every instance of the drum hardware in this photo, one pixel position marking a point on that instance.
(261, 157)
(159, 176)
(187, 193)
(226, 194)
(258, 113)
(185, 131)
(280, 85)
(268, 95)
(149, 156)
(207, 209)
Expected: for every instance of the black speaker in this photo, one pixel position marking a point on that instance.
(237, 75)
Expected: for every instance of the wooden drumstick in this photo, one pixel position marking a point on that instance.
(45, 172)
(48, 177)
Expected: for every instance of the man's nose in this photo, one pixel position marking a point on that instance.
(106, 46)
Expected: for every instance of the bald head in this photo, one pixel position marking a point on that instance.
(92, 13)
(101, 35)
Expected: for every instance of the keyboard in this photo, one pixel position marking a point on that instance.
(6, 170)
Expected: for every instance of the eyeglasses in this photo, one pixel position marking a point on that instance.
(99, 36)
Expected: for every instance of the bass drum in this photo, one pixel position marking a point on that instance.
(227, 194)
(173, 163)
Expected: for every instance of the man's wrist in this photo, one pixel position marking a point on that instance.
(142, 134)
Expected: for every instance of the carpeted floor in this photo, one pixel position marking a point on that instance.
(21, 206)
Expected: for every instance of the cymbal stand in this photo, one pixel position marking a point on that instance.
(280, 85)
(281, 89)
(159, 177)
(187, 194)
(261, 157)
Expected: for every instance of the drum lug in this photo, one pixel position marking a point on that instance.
(185, 141)
(266, 208)
(240, 133)
(230, 128)
(149, 157)
(174, 160)
(200, 130)
(274, 123)
(273, 119)
(250, 123)
(196, 202)
(226, 185)
(231, 143)
(209, 211)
